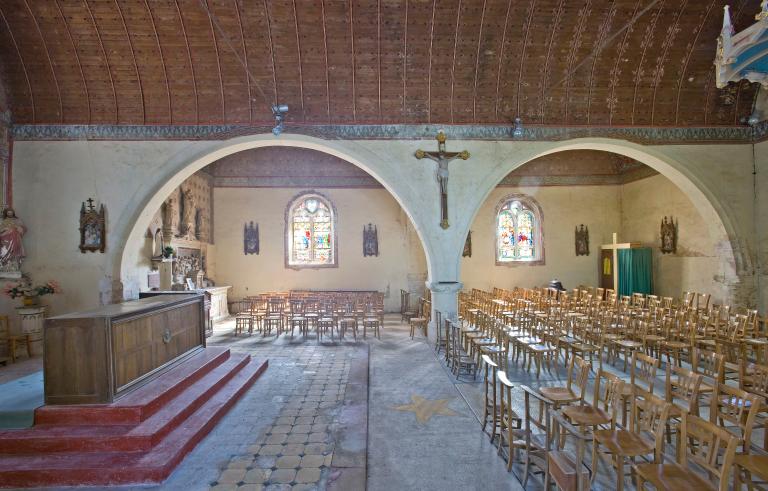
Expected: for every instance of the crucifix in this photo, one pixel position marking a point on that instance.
(609, 269)
(442, 158)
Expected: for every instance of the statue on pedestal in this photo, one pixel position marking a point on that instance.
(188, 217)
(11, 247)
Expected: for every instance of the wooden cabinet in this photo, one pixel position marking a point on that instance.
(96, 356)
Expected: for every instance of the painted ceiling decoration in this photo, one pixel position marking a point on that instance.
(743, 56)
(372, 64)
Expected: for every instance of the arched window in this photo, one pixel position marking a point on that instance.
(519, 237)
(310, 232)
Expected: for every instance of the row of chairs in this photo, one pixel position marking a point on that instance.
(323, 314)
(623, 418)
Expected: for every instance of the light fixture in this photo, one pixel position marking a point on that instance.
(518, 131)
(279, 111)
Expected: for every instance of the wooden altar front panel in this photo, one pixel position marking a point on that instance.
(96, 356)
(142, 344)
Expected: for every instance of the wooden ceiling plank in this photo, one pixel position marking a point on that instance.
(378, 50)
(23, 64)
(204, 4)
(429, 69)
(660, 62)
(604, 29)
(191, 63)
(135, 65)
(298, 51)
(77, 58)
(477, 63)
(325, 55)
(271, 49)
(691, 50)
(354, 64)
(453, 63)
(585, 13)
(245, 61)
(405, 61)
(50, 62)
(162, 61)
(528, 22)
(106, 59)
(499, 63)
(547, 60)
(649, 36)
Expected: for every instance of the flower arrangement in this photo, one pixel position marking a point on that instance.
(24, 290)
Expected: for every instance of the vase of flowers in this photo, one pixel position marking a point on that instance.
(31, 294)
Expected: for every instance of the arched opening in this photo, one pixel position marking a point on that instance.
(606, 189)
(255, 187)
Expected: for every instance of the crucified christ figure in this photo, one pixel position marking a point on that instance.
(442, 158)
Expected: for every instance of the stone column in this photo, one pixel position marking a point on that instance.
(445, 298)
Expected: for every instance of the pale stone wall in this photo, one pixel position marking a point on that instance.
(563, 208)
(400, 252)
(132, 178)
(696, 265)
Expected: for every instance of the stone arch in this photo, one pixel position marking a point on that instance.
(177, 169)
(701, 194)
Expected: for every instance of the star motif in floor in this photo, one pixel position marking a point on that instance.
(424, 409)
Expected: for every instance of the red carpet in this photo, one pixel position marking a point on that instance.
(139, 439)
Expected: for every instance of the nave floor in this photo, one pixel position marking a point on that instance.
(267, 440)
(303, 424)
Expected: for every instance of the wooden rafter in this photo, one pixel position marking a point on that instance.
(23, 64)
(77, 58)
(477, 63)
(135, 64)
(50, 61)
(189, 58)
(245, 60)
(162, 61)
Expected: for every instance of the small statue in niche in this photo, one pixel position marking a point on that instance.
(582, 241)
(11, 247)
(92, 228)
(251, 239)
(467, 246)
(170, 217)
(668, 236)
(158, 248)
(188, 214)
(370, 240)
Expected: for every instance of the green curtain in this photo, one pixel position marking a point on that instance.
(635, 271)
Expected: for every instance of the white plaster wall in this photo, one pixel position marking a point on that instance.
(563, 208)
(400, 253)
(696, 265)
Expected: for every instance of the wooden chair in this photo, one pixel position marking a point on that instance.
(642, 377)
(243, 322)
(682, 391)
(536, 430)
(13, 342)
(296, 318)
(711, 367)
(645, 436)
(405, 306)
(274, 316)
(568, 471)
(703, 444)
(510, 423)
(575, 388)
(348, 321)
(606, 401)
(421, 319)
(735, 410)
(460, 360)
(491, 396)
(440, 341)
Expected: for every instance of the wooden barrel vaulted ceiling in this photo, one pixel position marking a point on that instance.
(552, 62)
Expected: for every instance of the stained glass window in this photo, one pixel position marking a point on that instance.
(310, 233)
(518, 232)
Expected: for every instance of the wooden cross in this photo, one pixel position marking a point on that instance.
(615, 246)
(90, 204)
(442, 158)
